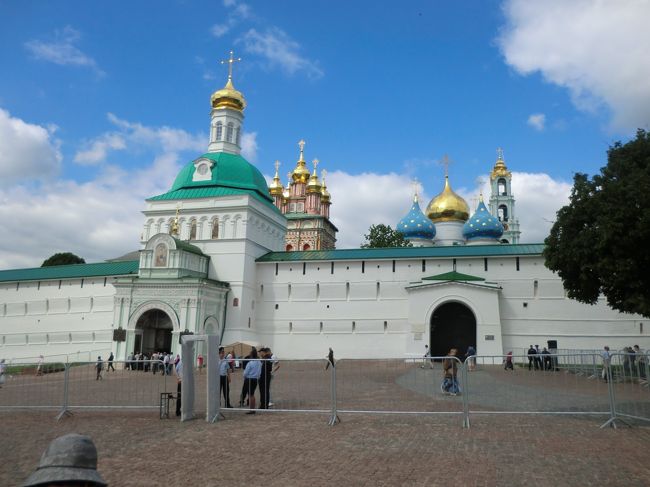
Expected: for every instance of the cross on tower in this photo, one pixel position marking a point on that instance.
(230, 62)
(315, 162)
(301, 144)
(499, 154)
(277, 166)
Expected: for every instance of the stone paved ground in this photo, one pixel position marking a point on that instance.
(138, 449)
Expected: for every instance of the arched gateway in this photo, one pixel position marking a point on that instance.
(153, 332)
(453, 325)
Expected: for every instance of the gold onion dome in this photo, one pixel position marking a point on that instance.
(325, 195)
(276, 188)
(228, 97)
(301, 173)
(447, 206)
(314, 186)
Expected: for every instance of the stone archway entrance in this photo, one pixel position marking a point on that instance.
(453, 325)
(153, 332)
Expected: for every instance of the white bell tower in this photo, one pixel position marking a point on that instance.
(502, 201)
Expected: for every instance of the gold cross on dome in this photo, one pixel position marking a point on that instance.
(230, 62)
(323, 173)
(445, 161)
(315, 162)
(499, 154)
(277, 166)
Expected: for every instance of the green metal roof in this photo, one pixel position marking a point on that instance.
(453, 276)
(500, 250)
(188, 247)
(231, 174)
(122, 268)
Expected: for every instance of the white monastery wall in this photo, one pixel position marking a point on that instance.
(56, 318)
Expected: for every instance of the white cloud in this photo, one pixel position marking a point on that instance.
(134, 134)
(249, 146)
(96, 220)
(27, 151)
(238, 11)
(99, 148)
(537, 121)
(596, 49)
(62, 50)
(281, 51)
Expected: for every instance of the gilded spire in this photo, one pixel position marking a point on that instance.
(500, 169)
(314, 185)
(325, 195)
(174, 228)
(228, 96)
(301, 173)
(276, 186)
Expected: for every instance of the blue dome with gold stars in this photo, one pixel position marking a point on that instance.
(482, 225)
(416, 225)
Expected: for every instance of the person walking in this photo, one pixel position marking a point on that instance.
(99, 366)
(507, 363)
(224, 377)
(427, 358)
(110, 367)
(607, 359)
(265, 377)
(2, 372)
(470, 358)
(538, 358)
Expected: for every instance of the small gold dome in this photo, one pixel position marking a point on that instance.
(314, 184)
(325, 196)
(228, 97)
(300, 174)
(447, 206)
(276, 188)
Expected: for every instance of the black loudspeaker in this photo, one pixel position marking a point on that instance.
(552, 344)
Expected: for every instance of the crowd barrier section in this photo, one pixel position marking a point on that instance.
(28, 387)
(397, 386)
(552, 386)
(628, 384)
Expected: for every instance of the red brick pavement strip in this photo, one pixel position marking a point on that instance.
(138, 449)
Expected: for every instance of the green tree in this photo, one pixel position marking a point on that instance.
(381, 236)
(62, 258)
(598, 244)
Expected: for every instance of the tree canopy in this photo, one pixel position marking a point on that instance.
(62, 258)
(381, 236)
(599, 241)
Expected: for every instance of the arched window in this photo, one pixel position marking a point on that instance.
(237, 135)
(289, 248)
(219, 130)
(502, 213)
(215, 229)
(306, 247)
(229, 131)
(193, 229)
(501, 187)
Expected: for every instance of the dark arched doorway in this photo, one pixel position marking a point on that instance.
(153, 332)
(453, 325)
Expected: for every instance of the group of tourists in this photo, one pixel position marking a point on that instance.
(259, 367)
(634, 363)
(154, 362)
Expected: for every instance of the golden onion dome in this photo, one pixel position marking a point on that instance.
(447, 206)
(325, 195)
(314, 186)
(300, 174)
(276, 188)
(228, 97)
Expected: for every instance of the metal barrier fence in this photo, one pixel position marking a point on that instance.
(569, 384)
(83, 385)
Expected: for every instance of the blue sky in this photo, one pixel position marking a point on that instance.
(102, 102)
